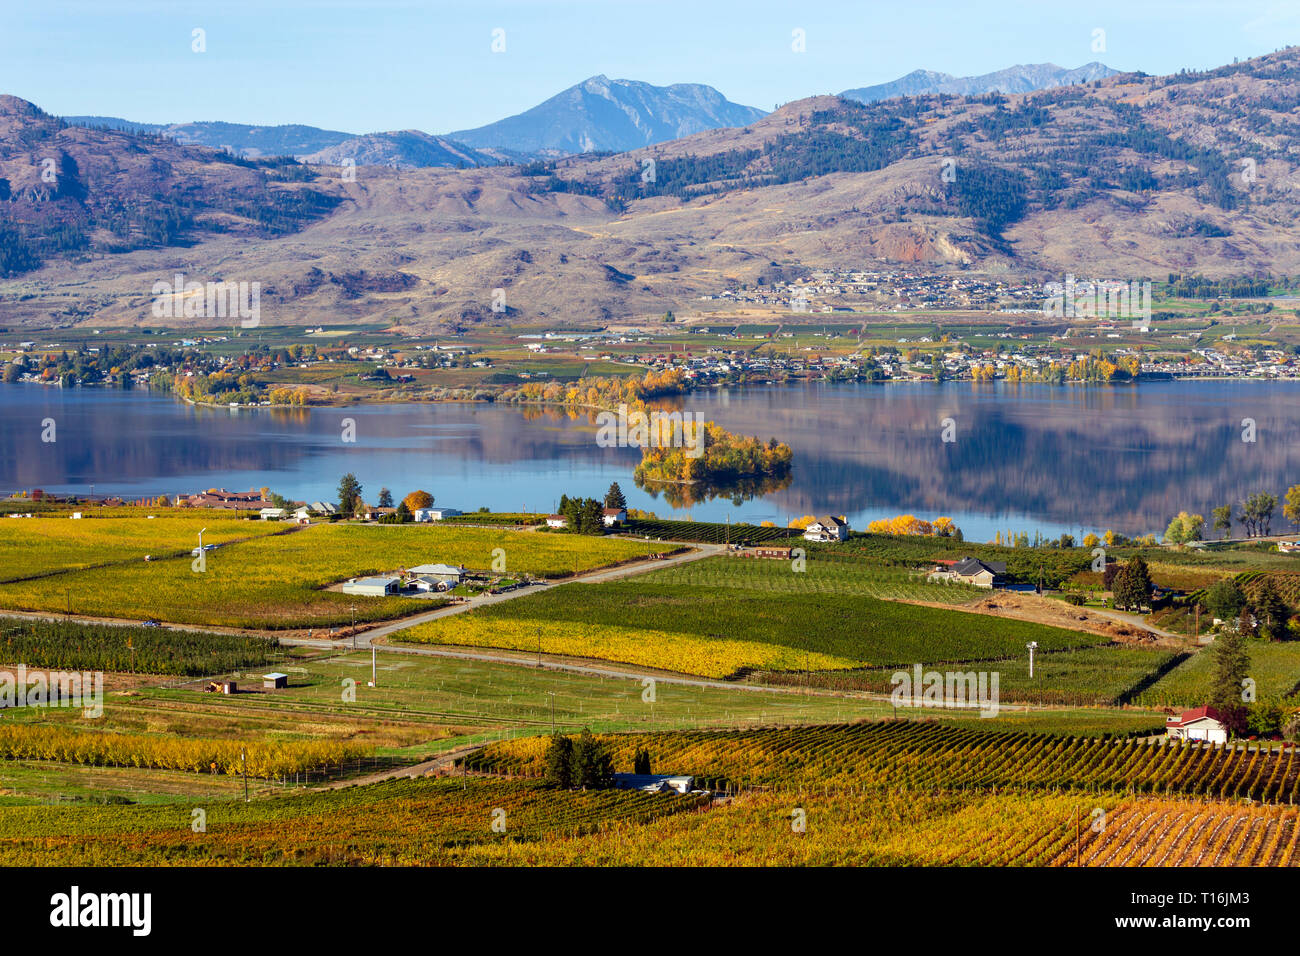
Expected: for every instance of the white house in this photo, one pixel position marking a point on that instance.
(557, 521)
(613, 516)
(372, 587)
(827, 528)
(1202, 723)
(654, 782)
(437, 577)
(435, 514)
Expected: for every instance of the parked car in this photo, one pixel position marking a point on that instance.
(152, 622)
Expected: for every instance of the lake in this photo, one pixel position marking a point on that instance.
(1021, 457)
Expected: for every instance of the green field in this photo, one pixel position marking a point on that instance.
(751, 614)
(1275, 669)
(1098, 676)
(278, 582)
(54, 541)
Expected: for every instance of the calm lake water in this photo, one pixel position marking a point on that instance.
(1025, 457)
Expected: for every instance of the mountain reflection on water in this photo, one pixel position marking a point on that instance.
(1026, 457)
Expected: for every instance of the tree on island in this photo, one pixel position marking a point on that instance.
(614, 498)
(349, 494)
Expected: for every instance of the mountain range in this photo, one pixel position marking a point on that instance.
(1123, 177)
(596, 115)
(1015, 79)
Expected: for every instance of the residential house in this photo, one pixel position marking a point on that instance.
(613, 516)
(827, 528)
(557, 521)
(973, 571)
(1200, 723)
(434, 577)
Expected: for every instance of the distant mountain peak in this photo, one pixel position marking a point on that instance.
(1022, 78)
(615, 115)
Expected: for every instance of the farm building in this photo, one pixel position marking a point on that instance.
(613, 516)
(435, 514)
(273, 514)
(827, 528)
(1201, 723)
(980, 574)
(372, 587)
(435, 576)
(1288, 547)
(275, 680)
(769, 551)
(654, 782)
(557, 521)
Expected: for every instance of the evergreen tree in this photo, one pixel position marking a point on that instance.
(349, 493)
(593, 768)
(614, 498)
(1224, 599)
(385, 498)
(1270, 611)
(641, 762)
(1230, 663)
(559, 762)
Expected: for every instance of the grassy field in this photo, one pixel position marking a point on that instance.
(56, 542)
(725, 616)
(1089, 675)
(277, 582)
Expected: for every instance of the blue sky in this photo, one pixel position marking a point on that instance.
(428, 64)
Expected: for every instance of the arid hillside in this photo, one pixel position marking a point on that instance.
(1125, 177)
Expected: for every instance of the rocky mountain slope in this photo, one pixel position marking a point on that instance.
(604, 115)
(1126, 177)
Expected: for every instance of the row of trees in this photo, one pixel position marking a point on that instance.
(351, 503)
(1254, 513)
(581, 764)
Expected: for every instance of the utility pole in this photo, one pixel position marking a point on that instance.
(1031, 645)
(354, 627)
(374, 677)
